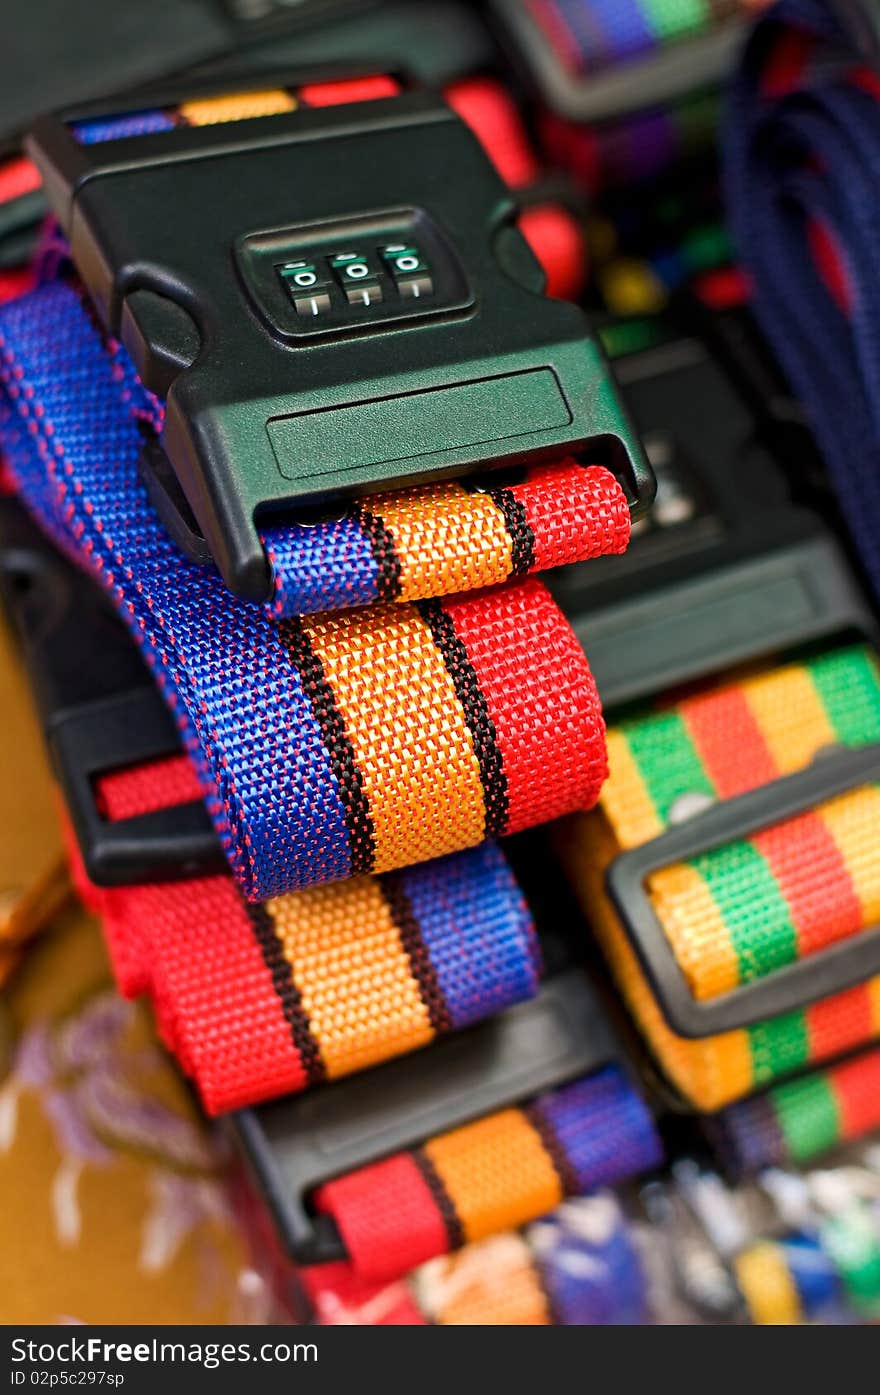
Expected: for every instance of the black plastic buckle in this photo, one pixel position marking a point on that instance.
(729, 566)
(657, 79)
(785, 990)
(295, 1144)
(281, 395)
(100, 711)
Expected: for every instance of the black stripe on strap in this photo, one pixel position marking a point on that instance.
(552, 1147)
(519, 530)
(416, 951)
(306, 1047)
(440, 1197)
(355, 801)
(476, 715)
(384, 554)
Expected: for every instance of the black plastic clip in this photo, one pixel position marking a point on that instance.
(843, 965)
(100, 711)
(294, 1145)
(325, 311)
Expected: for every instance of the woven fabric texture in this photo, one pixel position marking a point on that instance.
(738, 912)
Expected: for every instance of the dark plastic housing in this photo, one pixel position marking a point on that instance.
(295, 1144)
(837, 968)
(179, 237)
(99, 708)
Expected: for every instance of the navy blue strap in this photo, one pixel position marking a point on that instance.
(802, 152)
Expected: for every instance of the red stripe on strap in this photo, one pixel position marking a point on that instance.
(838, 1024)
(729, 742)
(801, 853)
(142, 789)
(350, 90)
(564, 504)
(830, 259)
(190, 945)
(387, 1218)
(18, 177)
(558, 242)
(340, 1298)
(857, 1088)
(492, 115)
(788, 60)
(542, 699)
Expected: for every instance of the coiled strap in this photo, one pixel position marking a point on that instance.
(751, 906)
(257, 1001)
(327, 746)
(492, 1175)
(802, 147)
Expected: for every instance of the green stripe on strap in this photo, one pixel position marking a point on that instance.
(807, 1113)
(667, 760)
(671, 19)
(778, 1046)
(848, 685)
(756, 915)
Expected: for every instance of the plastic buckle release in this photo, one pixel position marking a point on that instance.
(295, 1144)
(325, 311)
(97, 716)
(843, 965)
(729, 566)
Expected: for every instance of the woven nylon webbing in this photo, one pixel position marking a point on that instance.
(740, 911)
(802, 145)
(832, 1270)
(491, 1175)
(578, 1266)
(592, 34)
(800, 1119)
(257, 1001)
(329, 745)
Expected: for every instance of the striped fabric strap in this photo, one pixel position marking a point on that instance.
(495, 1174)
(788, 1281)
(742, 910)
(327, 746)
(801, 143)
(258, 1001)
(578, 1266)
(347, 742)
(592, 34)
(799, 1120)
(833, 1271)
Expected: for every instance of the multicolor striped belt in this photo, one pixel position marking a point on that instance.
(592, 34)
(494, 1174)
(796, 1121)
(351, 741)
(738, 912)
(259, 1000)
(802, 143)
(578, 1266)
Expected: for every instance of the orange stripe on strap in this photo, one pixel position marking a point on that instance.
(446, 540)
(496, 1172)
(407, 731)
(352, 973)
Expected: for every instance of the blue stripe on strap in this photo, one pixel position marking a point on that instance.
(477, 931)
(238, 699)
